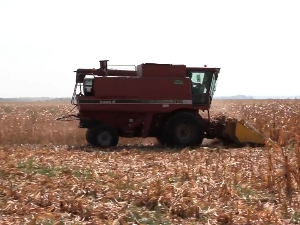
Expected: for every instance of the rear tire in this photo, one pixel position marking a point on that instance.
(184, 129)
(102, 136)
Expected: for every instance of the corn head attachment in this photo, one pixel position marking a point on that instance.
(240, 132)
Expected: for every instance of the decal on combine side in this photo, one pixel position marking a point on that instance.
(178, 101)
(107, 102)
(176, 82)
(134, 101)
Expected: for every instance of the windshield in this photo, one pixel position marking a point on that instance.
(199, 82)
(213, 85)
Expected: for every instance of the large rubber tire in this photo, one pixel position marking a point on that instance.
(102, 136)
(184, 129)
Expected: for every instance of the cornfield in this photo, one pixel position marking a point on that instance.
(48, 174)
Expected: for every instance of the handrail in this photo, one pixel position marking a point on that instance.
(74, 95)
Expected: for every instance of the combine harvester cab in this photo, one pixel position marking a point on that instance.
(154, 100)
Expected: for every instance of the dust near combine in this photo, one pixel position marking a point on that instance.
(49, 175)
(211, 142)
(153, 142)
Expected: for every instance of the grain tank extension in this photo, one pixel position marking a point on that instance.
(153, 100)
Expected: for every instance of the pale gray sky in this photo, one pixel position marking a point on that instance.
(255, 43)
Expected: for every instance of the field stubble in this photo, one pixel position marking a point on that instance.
(48, 176)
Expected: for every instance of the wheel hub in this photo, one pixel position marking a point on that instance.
(184, 133)
(104, 138)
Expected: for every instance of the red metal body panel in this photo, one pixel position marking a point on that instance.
(123, 73)
(161, 70)
(141, 108)
(147, 88)
(134, 88)
(117, 119)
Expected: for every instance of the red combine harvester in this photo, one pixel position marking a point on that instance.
(154, 100)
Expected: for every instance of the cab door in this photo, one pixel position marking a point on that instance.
(200, 86)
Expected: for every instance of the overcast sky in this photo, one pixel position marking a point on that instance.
(255, 43)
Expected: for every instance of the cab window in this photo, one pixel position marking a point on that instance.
(200, 80)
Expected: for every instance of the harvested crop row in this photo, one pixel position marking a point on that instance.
(141, 185)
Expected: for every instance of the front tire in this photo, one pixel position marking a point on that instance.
(102, 136)
(184, 129)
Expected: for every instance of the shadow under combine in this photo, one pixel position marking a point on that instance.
(143, 146)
